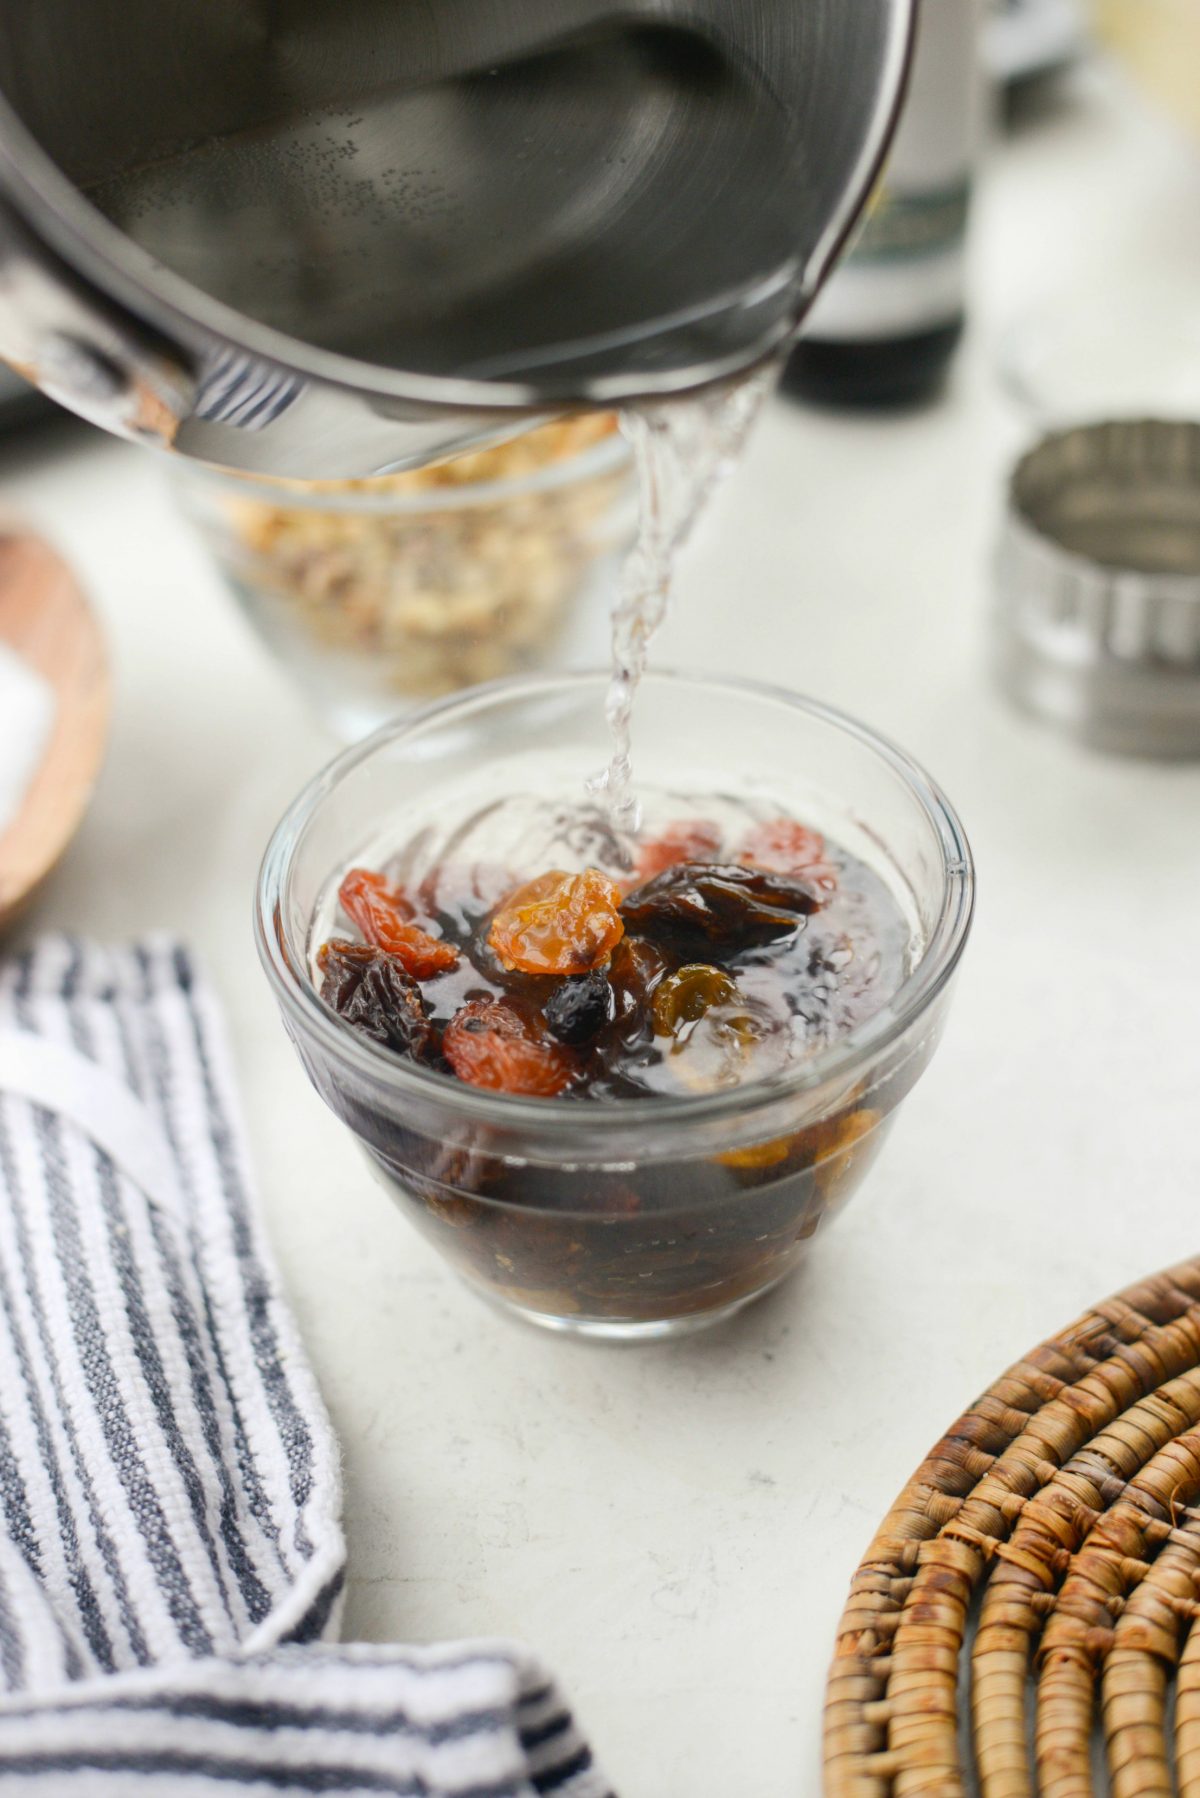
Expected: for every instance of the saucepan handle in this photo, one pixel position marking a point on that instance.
(80, 348)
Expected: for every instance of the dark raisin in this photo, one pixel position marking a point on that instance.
(636, 969)
(728, 906)
(371, 990)
(578, 1009)
(343, 965)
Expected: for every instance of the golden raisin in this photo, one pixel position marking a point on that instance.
(684, 997)
(842, 1146)
(759, 1155)
(384, 916)
(488, 1045)
(558, 924)
(714, 1033)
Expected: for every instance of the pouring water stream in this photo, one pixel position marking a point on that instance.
(683, 449)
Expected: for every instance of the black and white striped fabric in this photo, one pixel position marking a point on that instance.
(171, 1559)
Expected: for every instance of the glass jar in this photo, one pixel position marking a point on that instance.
(378, 596)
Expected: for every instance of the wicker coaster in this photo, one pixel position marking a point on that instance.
(1058, 1515)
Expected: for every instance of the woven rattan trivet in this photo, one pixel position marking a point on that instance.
(1058, 1512)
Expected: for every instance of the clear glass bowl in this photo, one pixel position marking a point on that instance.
(378, 596)
(641, 1217)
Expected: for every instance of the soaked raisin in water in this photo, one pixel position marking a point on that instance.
(682, 976)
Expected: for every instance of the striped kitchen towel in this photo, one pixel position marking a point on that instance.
(171, 1558)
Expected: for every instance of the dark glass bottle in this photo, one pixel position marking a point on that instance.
(884, 331)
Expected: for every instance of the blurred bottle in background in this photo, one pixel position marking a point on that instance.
(887, 326)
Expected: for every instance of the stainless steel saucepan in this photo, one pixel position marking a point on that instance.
(332, 237)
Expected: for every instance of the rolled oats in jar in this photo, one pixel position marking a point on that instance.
(410, 586)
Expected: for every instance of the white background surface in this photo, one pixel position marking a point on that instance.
(674, 1527)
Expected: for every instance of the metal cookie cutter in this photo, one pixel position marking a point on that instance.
(1097, 619)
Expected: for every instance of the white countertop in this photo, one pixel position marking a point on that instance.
(674, 1527)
